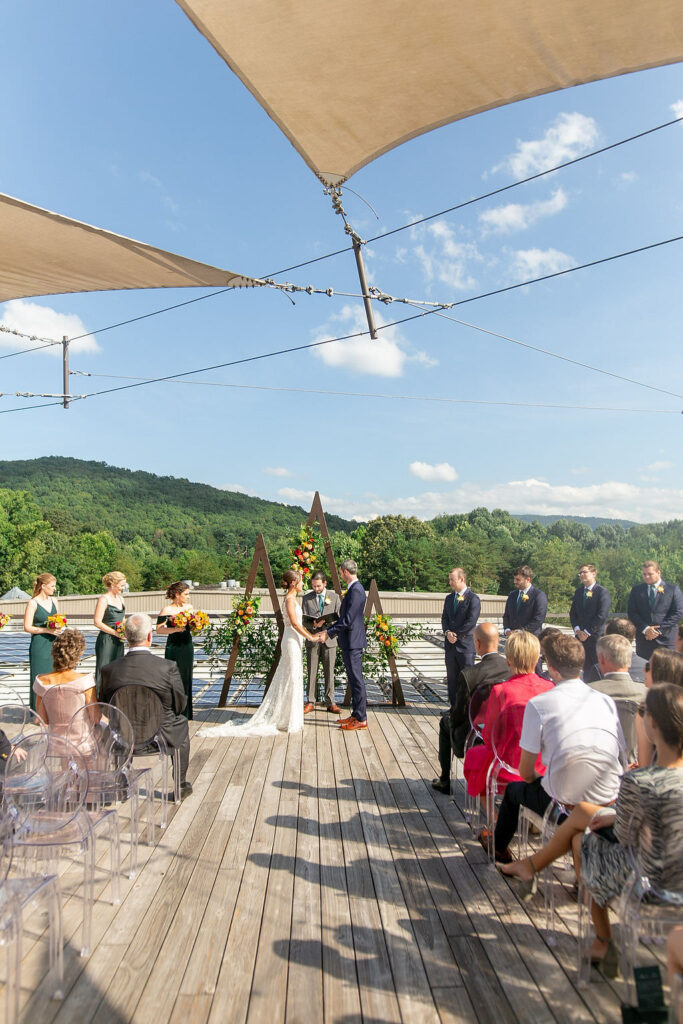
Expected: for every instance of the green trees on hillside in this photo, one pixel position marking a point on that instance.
(78, 520)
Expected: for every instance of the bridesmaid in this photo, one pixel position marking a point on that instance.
(179, 645)
(41, 605)
(109, 610)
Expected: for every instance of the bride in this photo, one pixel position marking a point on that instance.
(282, 708)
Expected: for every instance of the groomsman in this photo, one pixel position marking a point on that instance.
(460, 613)
(526, 605)
(588, 617)
(320, 608)
(655, 608)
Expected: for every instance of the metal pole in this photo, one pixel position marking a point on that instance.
(65, 365)
(358, 253)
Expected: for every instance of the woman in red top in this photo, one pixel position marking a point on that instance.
(507, 699)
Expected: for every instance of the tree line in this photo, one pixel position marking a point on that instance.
(79, 520)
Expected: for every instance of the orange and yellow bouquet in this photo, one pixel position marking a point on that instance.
(303, 553)
(244, 610)
(4, 619)
(178, 621)
(197, 621)
(56, 622)
(120, 628)
(384, 633)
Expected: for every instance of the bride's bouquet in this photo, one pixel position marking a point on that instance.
(4, 619)
(56, 622)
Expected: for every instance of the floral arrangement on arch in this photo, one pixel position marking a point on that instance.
(384, 633)
(56, 622)
(304, 553)
(257, 638)
(243, 611)
(384, 639)
(4, 619)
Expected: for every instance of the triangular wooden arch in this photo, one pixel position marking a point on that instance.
(317, 515)
(260, 558)
(373, 602)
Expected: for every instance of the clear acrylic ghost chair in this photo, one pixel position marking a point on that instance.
(18, 721)
(105, 738)
(19, 897)
(145, 712)
(475, 710)
(573, 771)
(8, 695)
(48, 808)
(504, 740)
(653, 902)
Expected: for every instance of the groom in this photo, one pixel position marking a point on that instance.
(350, 630)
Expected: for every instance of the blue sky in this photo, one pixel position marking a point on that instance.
(124, 117)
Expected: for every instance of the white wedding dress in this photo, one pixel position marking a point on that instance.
(282, 708)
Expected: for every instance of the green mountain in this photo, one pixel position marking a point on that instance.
(592, 521)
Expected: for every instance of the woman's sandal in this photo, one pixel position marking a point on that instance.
(608, 963)
(527, 887)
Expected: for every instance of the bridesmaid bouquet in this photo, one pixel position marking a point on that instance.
(120, 628)
(56, 622)
(198, 621)
(4, 619)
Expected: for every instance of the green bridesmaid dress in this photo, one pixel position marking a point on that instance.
(180, 648)
(40, 649)
(107, 647)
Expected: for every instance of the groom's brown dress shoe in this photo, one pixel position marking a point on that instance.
(308, 707)
(351, 724)
(333, 709)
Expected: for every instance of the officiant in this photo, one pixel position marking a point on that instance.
(320, 608)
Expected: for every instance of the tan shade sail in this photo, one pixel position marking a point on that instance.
(42, 253)
(347, 80)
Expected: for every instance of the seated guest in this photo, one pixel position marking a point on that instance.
(664, 666)
(544, 634)
(454, 725)
(614, 659)
(521, 651)
(60, 694)
(650, 802)
(556, 722)
(141, 668)
(624, 627)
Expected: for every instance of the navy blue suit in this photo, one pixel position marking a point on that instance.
(350, 632)
(530, 614)
(590, 614)
(459, 617)
(667, 613)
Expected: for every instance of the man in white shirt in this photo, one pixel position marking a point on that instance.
(569, 716)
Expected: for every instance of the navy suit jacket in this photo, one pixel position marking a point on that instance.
(591, 615)
(667, 612)
(350, 626)
(530, 615)
(461, 617)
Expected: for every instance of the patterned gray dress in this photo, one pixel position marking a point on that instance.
(649, 816)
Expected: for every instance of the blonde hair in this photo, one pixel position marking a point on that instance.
(522, 651)
(110, 578)
(45, 577)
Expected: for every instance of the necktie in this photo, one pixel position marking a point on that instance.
(320, 603)
(652, 595)
(519, 599)
(585, 595)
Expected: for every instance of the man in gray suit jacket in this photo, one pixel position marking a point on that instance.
(142, 668)
(614, 659)
(320, 608)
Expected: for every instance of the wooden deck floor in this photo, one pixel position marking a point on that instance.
(318, 877)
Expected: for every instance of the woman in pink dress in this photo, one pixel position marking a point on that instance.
(522, 651)
(60, 694)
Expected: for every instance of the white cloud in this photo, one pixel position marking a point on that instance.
(517, 216)
(278, 471)
(531, 263)
(611, 499)
(385, 357)
(627, 178)
(569, 136)
(677, 108)
(43, 322)
(425, 471)
(656, 467)
(443, 256)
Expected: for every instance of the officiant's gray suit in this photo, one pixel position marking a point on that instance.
(312, 612)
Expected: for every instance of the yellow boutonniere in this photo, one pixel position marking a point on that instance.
(461, 597)
(589, 593)
(525, 597)
(327, 600)
(660, 590)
